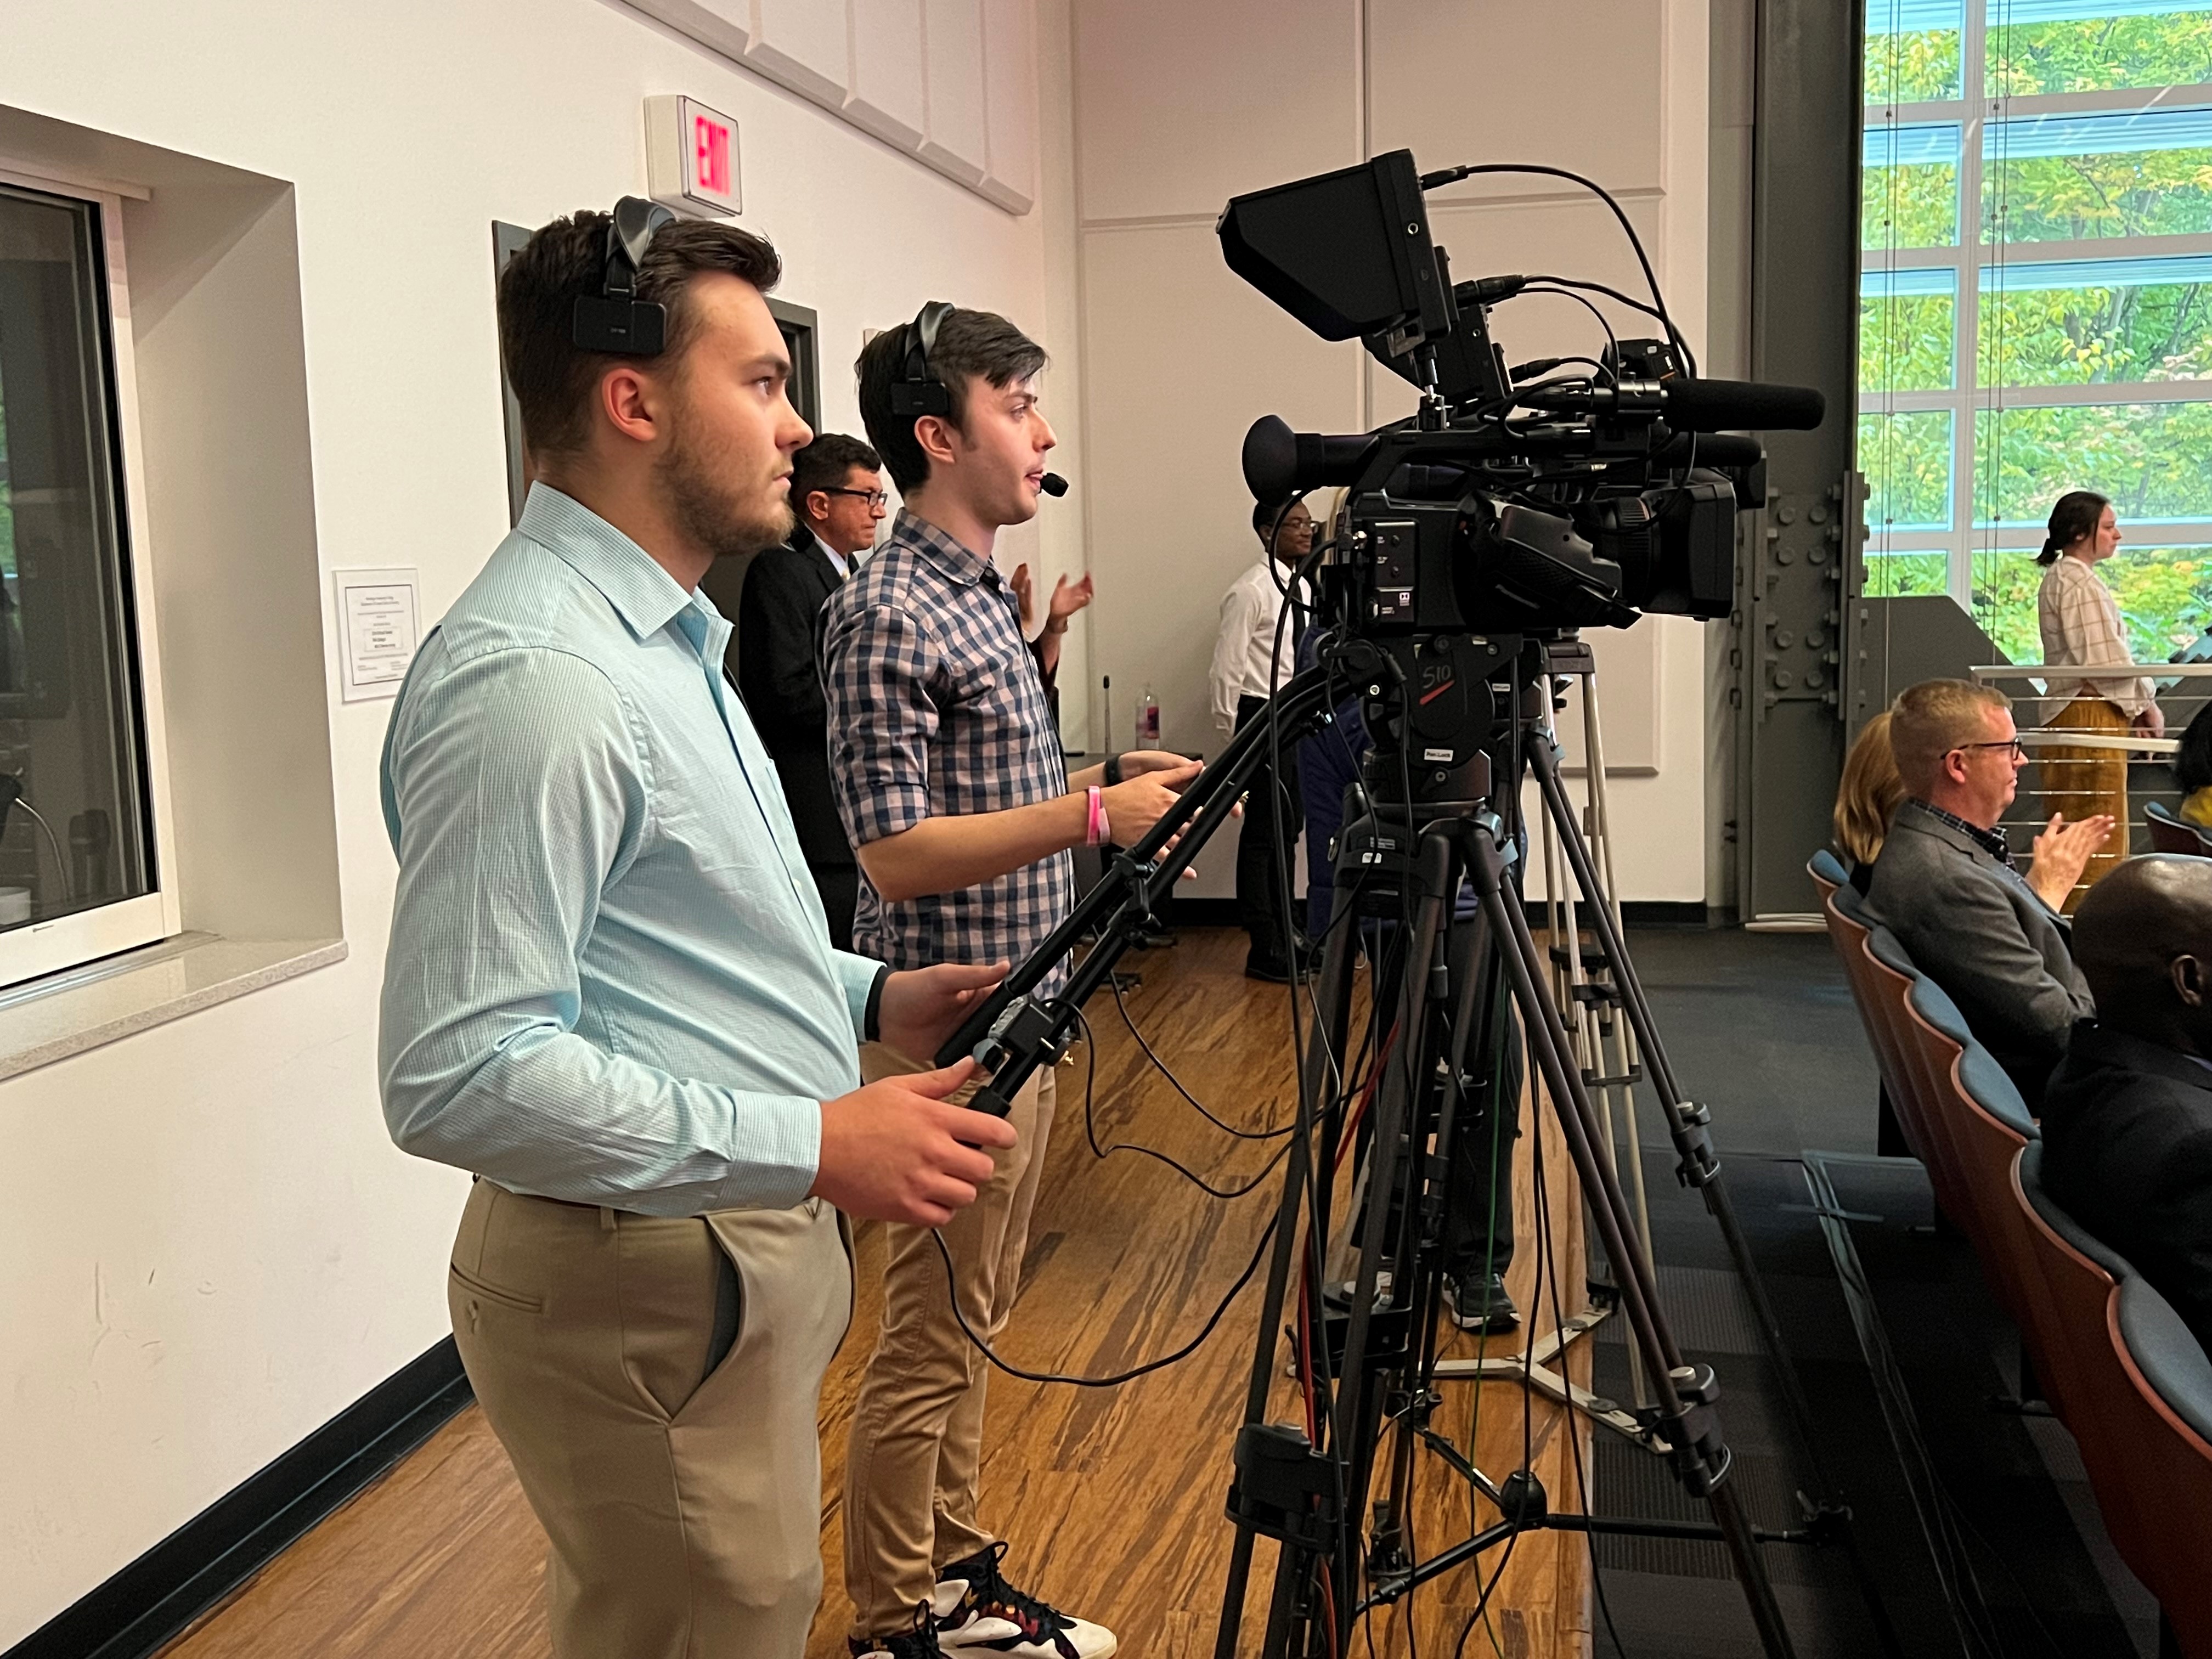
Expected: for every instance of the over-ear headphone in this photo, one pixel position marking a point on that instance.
(918, 390)
(615, 319)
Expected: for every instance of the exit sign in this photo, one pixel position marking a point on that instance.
(691, 156)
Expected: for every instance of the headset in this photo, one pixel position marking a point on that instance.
(917, 391)
(615, 320)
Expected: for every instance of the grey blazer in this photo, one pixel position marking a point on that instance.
(1976, 928)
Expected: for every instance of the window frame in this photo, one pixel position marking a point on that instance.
(40, 949)
(1970, 537)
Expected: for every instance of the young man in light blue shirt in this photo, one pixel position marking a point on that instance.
(610, 992)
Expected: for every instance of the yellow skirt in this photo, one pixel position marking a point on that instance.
(2078, 783)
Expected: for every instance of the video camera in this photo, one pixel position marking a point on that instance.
(1607, 502)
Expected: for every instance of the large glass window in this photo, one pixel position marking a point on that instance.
(75, 834)
(2036, 299)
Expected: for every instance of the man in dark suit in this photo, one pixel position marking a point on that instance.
(1945, 884)
(2127, 1120)
(837, 498)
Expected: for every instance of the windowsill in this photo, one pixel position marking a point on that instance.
(43, 1020)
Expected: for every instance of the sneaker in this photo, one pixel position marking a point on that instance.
(1276, 971)
(917, 1642)
(977, 1610)
(1479, 1303)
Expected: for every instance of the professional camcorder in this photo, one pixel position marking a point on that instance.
(1606, 499)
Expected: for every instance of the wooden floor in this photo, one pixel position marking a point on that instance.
(1112, 1498)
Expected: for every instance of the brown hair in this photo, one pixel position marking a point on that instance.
(1929, 720)
(2077, 514)
(969, 344)
(826, 463)
(553, 377)
(1868, 794)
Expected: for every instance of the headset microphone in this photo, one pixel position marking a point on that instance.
(1053, 484)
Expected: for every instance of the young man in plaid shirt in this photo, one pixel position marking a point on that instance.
(947, 771)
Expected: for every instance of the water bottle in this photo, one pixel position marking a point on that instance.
(1148, 721)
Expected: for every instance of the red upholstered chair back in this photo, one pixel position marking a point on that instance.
(1848, 936)
(1981, 1148)
(2075, 1358)
(2165, 1462)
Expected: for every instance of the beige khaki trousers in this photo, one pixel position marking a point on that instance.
(682, 1499)
(917, 1441)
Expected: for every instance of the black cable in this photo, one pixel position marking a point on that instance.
(1599, 288)
(1118, 1378)
(1197, 1105)
(1451, 175)
(1090, 1130)
(1604, 321)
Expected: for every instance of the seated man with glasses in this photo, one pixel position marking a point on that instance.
(1945, 883)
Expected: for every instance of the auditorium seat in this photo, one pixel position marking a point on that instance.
(1828, 872)
(1847, 930)
(1976, 1120)
(2135, 1388)
(2172, 834)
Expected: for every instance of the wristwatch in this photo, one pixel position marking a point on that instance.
(1112, 770)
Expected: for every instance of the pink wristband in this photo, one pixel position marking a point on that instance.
(1095, 828)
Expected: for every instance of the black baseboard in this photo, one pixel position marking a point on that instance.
(148, 1602)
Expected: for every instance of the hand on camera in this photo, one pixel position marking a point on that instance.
(1136, 804)
(922, 1008)
(894, 1151)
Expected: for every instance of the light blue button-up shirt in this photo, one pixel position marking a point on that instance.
(610, 980)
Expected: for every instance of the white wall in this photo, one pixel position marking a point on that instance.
(209, 1247)
(1178, 107)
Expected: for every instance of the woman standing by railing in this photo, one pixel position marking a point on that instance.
(2081, 624)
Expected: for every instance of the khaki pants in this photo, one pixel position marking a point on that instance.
(2081, 783)
(917, 1442)
(683, 1497)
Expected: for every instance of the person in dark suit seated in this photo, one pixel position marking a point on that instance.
(837, 498)
(2127, 1120)
(1945, 884)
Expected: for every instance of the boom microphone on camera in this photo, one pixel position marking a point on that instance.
(1053, 484)
(1690, 405)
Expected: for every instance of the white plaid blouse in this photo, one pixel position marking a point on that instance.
(2080, 621)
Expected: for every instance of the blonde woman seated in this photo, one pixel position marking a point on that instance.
(1868, 799)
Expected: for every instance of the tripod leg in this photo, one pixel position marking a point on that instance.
(1698, 1164)
(1319, 1081)
(1702, 1456)
(1408, 1070)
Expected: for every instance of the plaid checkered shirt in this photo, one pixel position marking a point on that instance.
(936, 710)
(2079, 622)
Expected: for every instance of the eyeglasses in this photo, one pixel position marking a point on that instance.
(874, 498)
(2018, 748)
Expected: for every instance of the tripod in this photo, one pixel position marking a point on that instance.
(1309, 1496)
(1452, 831)
(1586, 984)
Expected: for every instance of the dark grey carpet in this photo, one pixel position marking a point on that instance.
(1762, 1029)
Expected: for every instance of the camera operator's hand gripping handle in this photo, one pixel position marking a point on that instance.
(1012, 1034)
